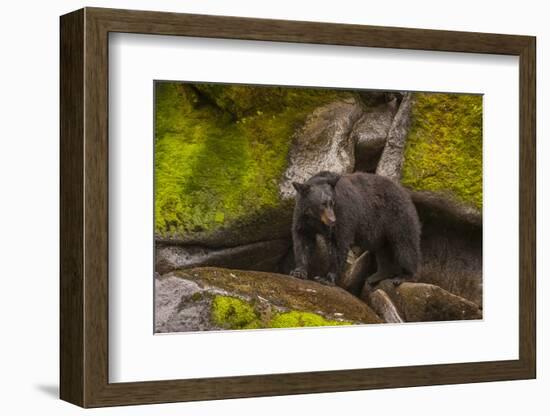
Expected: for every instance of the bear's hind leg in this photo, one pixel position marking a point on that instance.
(387, 268)
(407, 257)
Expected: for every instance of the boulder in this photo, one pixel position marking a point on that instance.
(211, 298)
(357, 270)
(323, 143)
(370, 134)
(391, 160)
(381, 303)
(262, 256)
(422, 302)
(271, 223)
(170, 293)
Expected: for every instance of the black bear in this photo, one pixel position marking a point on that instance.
(359, 209)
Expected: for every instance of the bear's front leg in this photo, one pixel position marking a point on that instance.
(339, 247)
(330, 278)
(303, 251)
(338, 257)
(338, 262)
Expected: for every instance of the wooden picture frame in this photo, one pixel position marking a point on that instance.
(84, 207)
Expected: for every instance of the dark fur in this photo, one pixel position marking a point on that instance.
(370, 211)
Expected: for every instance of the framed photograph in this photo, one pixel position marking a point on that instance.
(254, 207)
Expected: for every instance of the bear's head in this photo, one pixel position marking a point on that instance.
(315, 198)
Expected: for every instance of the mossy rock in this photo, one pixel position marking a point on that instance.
(236, 299)
(220, 152)
(223, 154)
(234, 313)
(296, 319)
(262, 256)
(444, 147)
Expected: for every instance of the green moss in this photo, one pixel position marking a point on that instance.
(444, 146)
(220, 150)
(296, 319)
(234, 313)
(197, 296)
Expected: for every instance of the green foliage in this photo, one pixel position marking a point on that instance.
(220, 150)
(233, 313)
(444, 146)
(294, 319)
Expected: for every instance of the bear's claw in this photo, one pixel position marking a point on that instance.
(324, 280)
(300, 274)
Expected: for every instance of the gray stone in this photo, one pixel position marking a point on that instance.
(356, 272)
(180, 306)
(381, 303)
(262, 256)
(391, 161)
(323, 143)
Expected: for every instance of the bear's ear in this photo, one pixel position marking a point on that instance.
(301, 188)
(333, 180)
